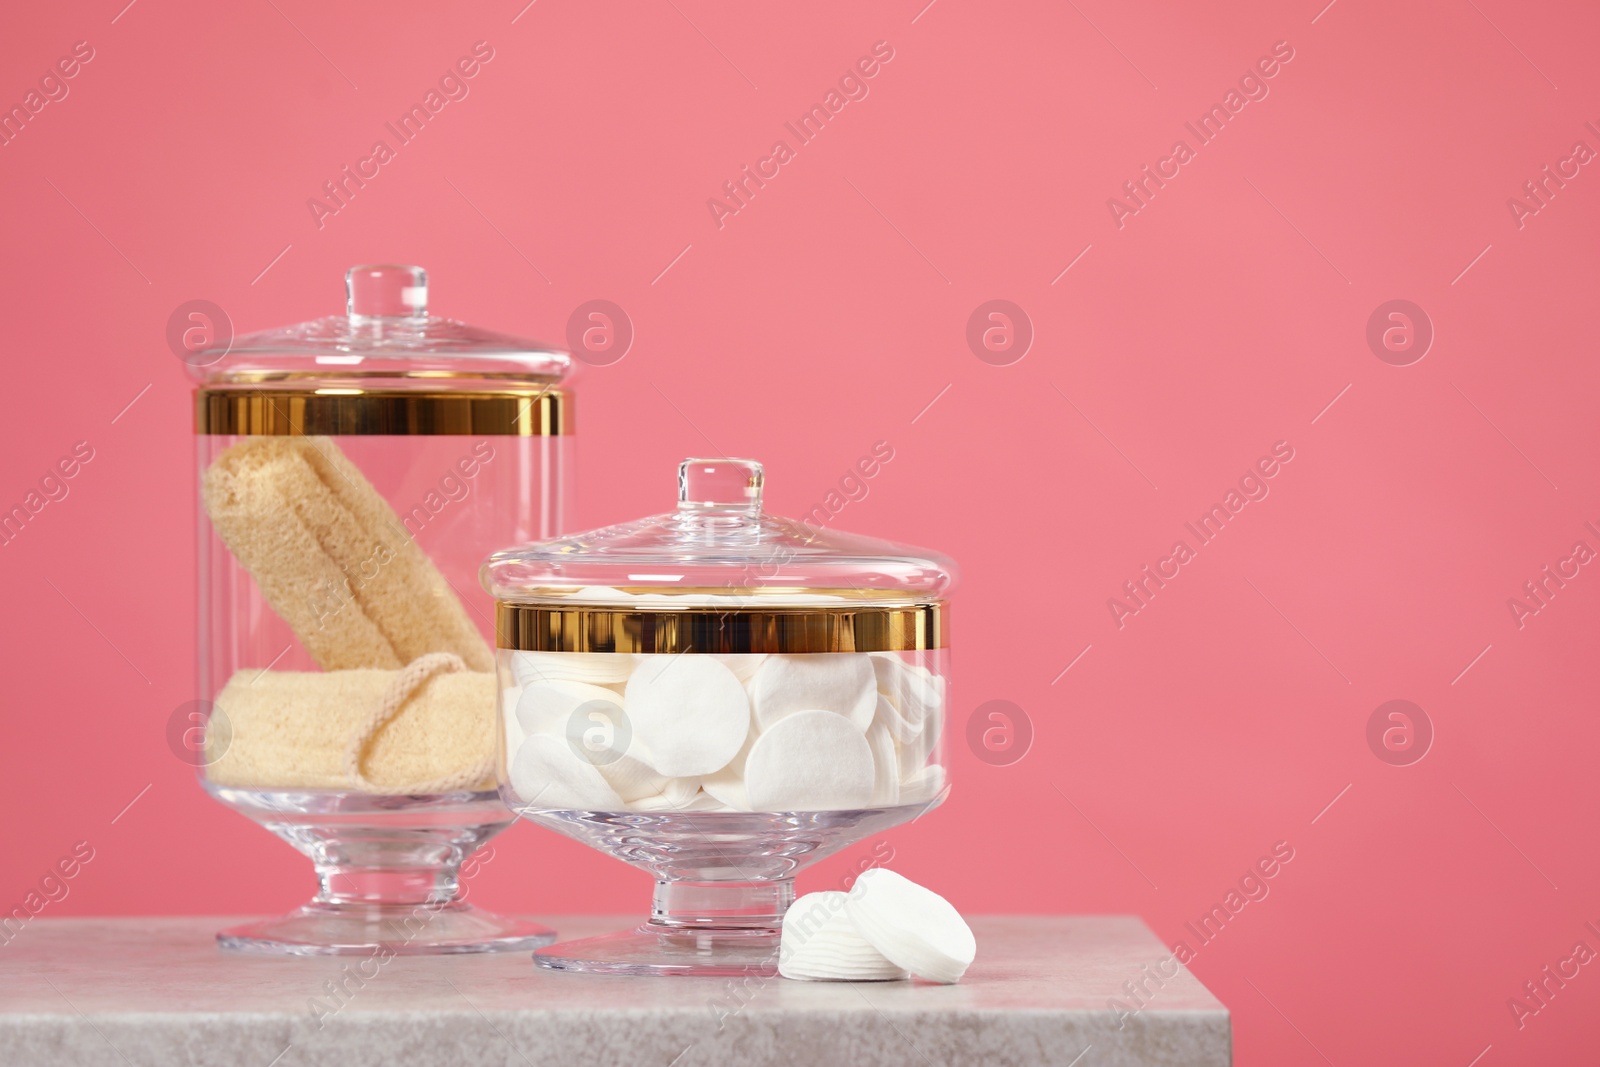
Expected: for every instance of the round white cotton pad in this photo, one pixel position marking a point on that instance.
(511, 728)
(915, 693)
(680, 791)
(680, 797)
(512, 738)
(904, 730)
(596, 668)
(886, 666)
(809, 761)
(547, 774)
(632, 777)
(727, 784)
(912, 756)
(923, 786)
(912, 926)
(547, 707)
(933, 725)
(885, 767)
(688, 712)
(743, 664)
(884, 713)
(922, 691)
(727, 790)
(821, 943)
(928, 694)
(841, 682)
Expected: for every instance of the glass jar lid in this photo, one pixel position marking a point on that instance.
(719, 574)
(386, 366)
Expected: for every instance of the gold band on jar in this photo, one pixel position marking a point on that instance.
(545, 628)
(327, 412)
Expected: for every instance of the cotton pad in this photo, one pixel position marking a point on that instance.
(922, 691)
(727, 790)
(922, 786)
(925, 699)
(547, 774)
(633, 778)
(820, 943)
(514, 736)
(680, 792)
(727, 784)
(508, 716)
(591, 667)
(912, 927)
(844, 683)
(683, 713)
(886, 668)
(912, 755)
(933, 723)
(688, 712)
(904, 730)
(677, 798)
(809, 761)
(547, 707)
(743, 664)
(914, 751)
(915, 693)
(885, 767)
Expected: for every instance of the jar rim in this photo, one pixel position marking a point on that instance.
(717, 630)
(526, 410)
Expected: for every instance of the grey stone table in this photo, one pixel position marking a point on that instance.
(132, 992)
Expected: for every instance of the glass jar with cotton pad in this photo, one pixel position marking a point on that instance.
(353, 472)
(720, 697)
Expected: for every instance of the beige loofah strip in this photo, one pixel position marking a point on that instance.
(294, 730)
(411, 678)
(332, 558)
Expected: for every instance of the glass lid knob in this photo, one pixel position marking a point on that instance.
(386, 291)
(720, 484)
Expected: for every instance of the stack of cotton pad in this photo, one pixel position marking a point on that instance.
(913, 927)
(885, 927)
(820, 943)
(728, 732)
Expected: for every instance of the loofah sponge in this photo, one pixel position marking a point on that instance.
(332, 558)
(374, 731)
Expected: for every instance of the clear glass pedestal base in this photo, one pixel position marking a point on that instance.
(662, 951)
(392, 929)
(723, 883)
(389, 874)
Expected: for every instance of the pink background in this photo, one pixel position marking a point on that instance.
(825, 316)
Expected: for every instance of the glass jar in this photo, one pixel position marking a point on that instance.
(353, 472)
(720, 697)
